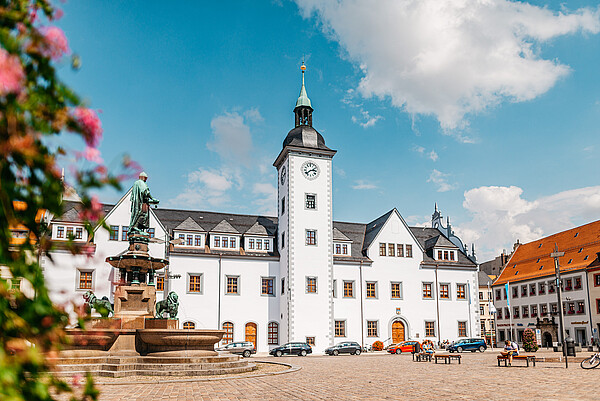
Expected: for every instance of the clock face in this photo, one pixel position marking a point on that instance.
(283, 175)
(310, 170)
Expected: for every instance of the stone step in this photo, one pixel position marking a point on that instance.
(143, 366)
(135, 372)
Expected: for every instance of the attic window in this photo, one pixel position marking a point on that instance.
(540, 245)
(517, 272)
(538, 261)
(580, 249)
(541, 267)
(586, 257)
(570, 260)
(515, 265)
(576, 234)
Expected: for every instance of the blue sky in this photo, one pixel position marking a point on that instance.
(489, 108)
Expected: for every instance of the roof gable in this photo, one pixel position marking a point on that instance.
(224, 227)
(374, 228)
(339, 236)
(190, 225)
(257, 229)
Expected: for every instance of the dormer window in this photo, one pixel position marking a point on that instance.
(340, 249)
(189, 239)
(258, 244)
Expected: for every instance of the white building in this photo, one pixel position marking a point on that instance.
(299, 276)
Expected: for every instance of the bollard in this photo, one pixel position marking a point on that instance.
(570, 346)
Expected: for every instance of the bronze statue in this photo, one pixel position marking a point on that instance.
(140, 206)
(169, 305)
(102, 306)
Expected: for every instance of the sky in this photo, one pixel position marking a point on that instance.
(490, 108)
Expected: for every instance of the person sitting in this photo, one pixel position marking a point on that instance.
(428, 347)
(511, 349)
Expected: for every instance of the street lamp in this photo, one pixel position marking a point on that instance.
(556, 254)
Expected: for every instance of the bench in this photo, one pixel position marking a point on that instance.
(527, 358)
(446, 357)
(422, 357)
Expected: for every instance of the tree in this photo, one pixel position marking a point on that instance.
(529, 341)
(35, 106)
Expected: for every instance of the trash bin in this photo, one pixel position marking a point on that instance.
(570, 346)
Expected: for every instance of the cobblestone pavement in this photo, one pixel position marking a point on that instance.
(383, 377)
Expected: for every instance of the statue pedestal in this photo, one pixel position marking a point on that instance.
(133, 304)
(165, 324)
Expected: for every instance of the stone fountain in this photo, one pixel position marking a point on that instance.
(135, 341)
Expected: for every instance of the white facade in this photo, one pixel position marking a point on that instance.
(311, 279)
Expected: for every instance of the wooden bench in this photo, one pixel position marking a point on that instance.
(422, 357)
(527, 358)
(446, 357)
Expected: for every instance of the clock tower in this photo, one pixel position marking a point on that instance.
(305, 231)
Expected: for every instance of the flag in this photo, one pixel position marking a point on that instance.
(492, 308)
(507, 294)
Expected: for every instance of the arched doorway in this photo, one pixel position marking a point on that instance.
(397, 331)
(547, 340)
(251, 333)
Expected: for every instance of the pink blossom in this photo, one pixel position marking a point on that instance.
(12, 75)
(56, 44)
(94, 212)
(76, 380)
(58, 14)
(92, 154)
(92, 128)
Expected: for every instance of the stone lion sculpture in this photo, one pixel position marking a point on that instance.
(102, 306)
(169, 305)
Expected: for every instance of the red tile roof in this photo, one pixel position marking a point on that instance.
(532, 260)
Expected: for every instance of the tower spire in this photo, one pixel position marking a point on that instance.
(303, 109)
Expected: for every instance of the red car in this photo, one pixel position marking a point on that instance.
(404, 346)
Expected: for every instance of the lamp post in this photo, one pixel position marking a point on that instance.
(556, 254)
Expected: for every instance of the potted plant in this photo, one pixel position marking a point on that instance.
(529, 341)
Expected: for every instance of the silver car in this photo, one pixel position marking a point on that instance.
(244, 348)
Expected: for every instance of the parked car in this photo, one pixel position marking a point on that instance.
(468, 344)
(349, 347)
(404, 346)
(244, 348)
(300, 349)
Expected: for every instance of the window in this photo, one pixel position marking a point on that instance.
(483, 326)
(267, 286)
(334, 289)
(460, 291)
(499, 313)
(60, 231)
(311, 285)
(310, 341)
(515, 292)
(451, 255)
(338, 249)
(439, 255)
(225, 243)
(396, 290)
(372, 328)
(534, 311)
(480, 295)
(228, 336)
(541, 288)
(198, 240)
(85, 280)
(348, 289)
(311, 201)
(267, 244)
(259, 244)
(15, 284)
(596, 280)
(580, 307)
(553, 309)
(569, 284)
(481, 310)
(543, 309)
(124, 230)
(282, 206)
(446, 255)
(70, 232)
(79, 233)
(524, 290)
(409, 251)
(462, 329)
(114, 233)
(282, 240)
(400, 249)
(598, 305)
(516, 312)
(526, 311)
(429, 329)
(232, 285)
(427, 290)
(498, 297)
(444, 291)
(531, 289)
(195, 283)
(217, 242)
(152, 232)
(160, 283)
(345, 249)
(577, 283)
(273, 333)
(340, 328)
(311, 237)
(371, 289)
(181, 239)
(189, 325)
(233, 242)
(381, 249)
(282, 286)
(391, 250)
(251, 243)
(190, 240)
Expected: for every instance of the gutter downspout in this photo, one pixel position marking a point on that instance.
(362, 322)
(219, 297)
(437, 304)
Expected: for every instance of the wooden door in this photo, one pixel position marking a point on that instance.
(397, 332)
(251, 333)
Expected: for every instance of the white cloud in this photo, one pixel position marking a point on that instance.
(266, 198)
(254, 115)
(207, 187)
(500, 216)
(231, 137)
(419, 149)
(362, 184)
(432, 155)
(365, 120)
(441, 180)
(449, 58)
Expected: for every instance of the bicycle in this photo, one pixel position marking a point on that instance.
(591, 362)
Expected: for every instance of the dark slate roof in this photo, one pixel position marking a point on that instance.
(373, 228)
(71, 211)
(484, 279)
(439, 240)
(224, 227)
(339, 236)
(190, 225)
(424, 234)
(306, 137)
(257, 229)
(356, 233)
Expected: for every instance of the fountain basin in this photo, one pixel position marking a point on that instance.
(181, 342)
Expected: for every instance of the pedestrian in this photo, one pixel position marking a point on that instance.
(511, 349)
